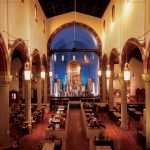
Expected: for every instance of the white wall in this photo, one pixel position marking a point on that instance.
(17, 21)
(55, 22)
(136, 82)
(127, 24)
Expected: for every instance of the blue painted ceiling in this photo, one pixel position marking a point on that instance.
(74, 36)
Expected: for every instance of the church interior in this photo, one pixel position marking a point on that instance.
(74, 75)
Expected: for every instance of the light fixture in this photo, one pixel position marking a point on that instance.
(50, 73)
(99, 72)
(55, 57)
(62, 58)
(126, 68)
(27, 72)
(85, 59)
(74, 57)
(126, 72)
(43, 72)
(108, 72)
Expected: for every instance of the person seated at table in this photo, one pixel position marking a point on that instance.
(91, 115)
(50, 120)
(51, 125)
(93, 122)
(62, 124)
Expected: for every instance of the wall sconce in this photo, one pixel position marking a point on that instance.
(27, 72)
(43, 72)
(126, 72)
(108, 72)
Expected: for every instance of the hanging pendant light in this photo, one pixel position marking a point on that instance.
(74, 57)
(27, 72)
(99, 72)
(50, 73)
(108, 72)
(126, 72)
(55, 57)
(126, 68)
(62, 58)
(43, 72)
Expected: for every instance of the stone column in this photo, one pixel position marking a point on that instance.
(28, 100)
(45, 91)
(99, 87)
(124, 120)
(147, 23)
(111, 99)
(4, 110)
(104, 86)
(39, 92)
(146, 78)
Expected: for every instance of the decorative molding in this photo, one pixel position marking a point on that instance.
(4, 80)
(146, 77)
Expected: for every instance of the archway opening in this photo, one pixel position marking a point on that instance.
(36, 70)
(132, 53)
(18, 57)
(87, 52)
(3, 57)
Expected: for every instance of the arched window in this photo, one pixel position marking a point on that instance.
(113, 13)
(35, 12)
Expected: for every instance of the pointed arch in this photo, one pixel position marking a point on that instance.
(3, 57)
(36, 59)
(44, 61)
(128, 48)
(113, 58)
(104, 62)
(21, 47)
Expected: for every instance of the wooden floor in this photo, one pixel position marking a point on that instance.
(123, 139)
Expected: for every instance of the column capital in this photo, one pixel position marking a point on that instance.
(103, 73)
(146, 77)
(4, 80)
(121, 77)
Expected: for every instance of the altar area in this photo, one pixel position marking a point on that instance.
(73, 85)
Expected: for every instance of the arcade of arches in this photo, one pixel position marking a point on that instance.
(63, 59)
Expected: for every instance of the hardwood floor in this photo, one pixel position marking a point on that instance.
(123, 139)
(31, 141)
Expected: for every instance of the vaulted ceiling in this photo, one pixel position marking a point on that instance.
(94, 8)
